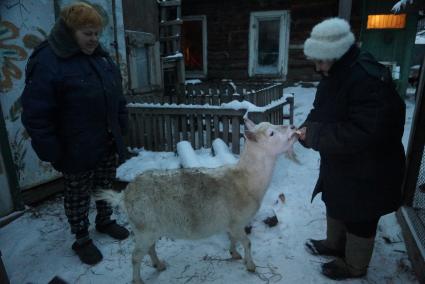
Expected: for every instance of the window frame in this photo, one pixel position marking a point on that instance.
(201, 73)
(282, 68)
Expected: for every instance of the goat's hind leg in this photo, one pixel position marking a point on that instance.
(159, 265)
(142, 243)
(233, 252)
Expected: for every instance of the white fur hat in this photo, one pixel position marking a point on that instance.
(329, 40)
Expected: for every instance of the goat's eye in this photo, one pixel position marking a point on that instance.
(271, 133)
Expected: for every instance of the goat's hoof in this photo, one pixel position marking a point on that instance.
(160, 266)
(138, 281)
(250, 267)
(235, 255)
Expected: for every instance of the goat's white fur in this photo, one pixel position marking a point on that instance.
(199, 202)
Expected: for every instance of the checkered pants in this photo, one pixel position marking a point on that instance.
(77, 194)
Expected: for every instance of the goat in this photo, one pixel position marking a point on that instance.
(195, 203)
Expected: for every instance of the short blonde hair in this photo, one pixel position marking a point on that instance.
(80, 15)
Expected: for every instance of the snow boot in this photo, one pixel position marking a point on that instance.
(334, 243)
(358, 252)
(87, 251)
(113, 230)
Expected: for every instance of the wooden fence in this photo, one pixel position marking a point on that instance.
(158, 125)
(160, 128)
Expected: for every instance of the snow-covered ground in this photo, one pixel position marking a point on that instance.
(37, 246)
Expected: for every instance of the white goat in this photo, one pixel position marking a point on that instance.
(196, 203)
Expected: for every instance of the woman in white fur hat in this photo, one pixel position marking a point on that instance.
(356, 125)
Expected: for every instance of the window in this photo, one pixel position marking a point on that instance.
(143, 62)
(386, 21)
(268, 43)
(194, 45)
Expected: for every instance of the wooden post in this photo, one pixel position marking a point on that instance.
(344, 9)
(415, 149)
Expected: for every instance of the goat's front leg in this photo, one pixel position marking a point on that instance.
(233, 252)
(159, 265)
(239, 234)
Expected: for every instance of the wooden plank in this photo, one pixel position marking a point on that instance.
(225, 121)
(200, 131)
(412, 240)
(216, 127)
(176, 131)
(140, 130)
(149, 132)
(208, 131)
(131, 139)
(183, 120)
(161, 130)
(155, 133)
(192, 130)
(168, 134)
(235, 134)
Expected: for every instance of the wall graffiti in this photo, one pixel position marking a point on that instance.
(9, 53)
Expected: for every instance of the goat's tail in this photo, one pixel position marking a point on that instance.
(115, 198)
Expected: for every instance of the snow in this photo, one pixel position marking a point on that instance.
(236, 105)
(193, 82)
(177, 55)
(36, 246)
(420, 37)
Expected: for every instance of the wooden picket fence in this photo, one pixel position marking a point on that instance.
(159, 126)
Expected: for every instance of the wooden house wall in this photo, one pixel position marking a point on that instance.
(228, 31)
(141, 16)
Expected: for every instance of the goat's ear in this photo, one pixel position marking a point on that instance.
(248, 123)
(250, 136)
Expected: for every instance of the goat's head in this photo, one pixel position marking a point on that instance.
(275, 139)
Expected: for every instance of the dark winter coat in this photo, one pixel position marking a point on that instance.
(356, 124)
(73, 104)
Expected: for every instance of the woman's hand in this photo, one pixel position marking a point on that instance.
(302, 132)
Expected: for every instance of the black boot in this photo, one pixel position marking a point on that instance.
(87, 251)
(358, 253)
(113, 230)
(334, 243)
(319, 247)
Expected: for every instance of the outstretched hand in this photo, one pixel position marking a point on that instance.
(302, 132)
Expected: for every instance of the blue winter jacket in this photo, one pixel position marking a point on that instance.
(73, 104)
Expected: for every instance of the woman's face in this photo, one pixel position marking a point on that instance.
(323, 66)
(87, 39)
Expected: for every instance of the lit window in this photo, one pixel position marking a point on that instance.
(386, 21)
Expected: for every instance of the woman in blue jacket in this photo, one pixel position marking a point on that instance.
(75, 113)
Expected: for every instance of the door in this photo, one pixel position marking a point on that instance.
(268, 44)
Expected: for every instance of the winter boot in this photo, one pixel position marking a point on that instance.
(334, 243)
(113, 230)
(358, 252)
(87, 251)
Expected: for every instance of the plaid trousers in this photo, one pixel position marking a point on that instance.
(77, 194)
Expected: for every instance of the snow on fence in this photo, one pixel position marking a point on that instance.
(159, 126)
(260, 94)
